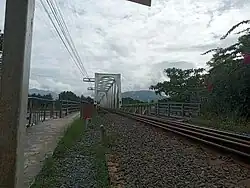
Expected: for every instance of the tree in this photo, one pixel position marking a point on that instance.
(128, 100)
(39, 102)
(90, 100)
(230, 76)
(69, 95)
(227, 81)
(48, 97)
(183, 85)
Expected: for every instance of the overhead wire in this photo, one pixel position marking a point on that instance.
(61, 35)
(70, 39)
(60, 25)
(58, 14)
(90, 83)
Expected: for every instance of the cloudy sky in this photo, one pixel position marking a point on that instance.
(127, 38)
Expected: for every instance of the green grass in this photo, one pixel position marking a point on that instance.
(49, 173)
(99, 150)
(226, 124)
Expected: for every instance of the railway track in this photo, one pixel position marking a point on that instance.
(233, 143)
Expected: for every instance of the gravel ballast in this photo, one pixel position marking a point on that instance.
(78, 161)
(153, 158)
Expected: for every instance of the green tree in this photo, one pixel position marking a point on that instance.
(128, 100)
(69, 95)
(34, 95)
(38, 100)
(230, 76)
(228, 79)
(182, 85)
(90, 100)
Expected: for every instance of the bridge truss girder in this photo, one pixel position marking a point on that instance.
(108, 90)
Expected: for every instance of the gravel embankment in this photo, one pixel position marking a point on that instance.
(76, 168)
(153, 158)
(80, 164)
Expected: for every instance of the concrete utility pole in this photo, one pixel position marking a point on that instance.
(14, 90)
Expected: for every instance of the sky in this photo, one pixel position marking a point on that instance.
(137, 41)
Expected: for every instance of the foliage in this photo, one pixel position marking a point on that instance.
(38, 103)
(65, 95)
(69, 95)
(48, 97)
(237, 25)
(129, 100)
(89, 99)
(183, 85)
(228, 77)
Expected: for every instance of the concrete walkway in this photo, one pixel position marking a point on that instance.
(40, 142)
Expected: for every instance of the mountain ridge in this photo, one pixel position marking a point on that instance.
(142, 95)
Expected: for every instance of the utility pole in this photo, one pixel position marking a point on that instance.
(14, 90)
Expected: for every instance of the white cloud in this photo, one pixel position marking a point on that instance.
(134, 40)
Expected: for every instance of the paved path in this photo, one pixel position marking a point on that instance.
(40, 142)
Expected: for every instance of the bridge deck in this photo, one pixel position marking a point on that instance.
(40, 142)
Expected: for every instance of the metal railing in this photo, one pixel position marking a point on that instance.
(40, 109)
(174, 109)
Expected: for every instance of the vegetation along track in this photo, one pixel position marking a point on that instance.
(234, 143)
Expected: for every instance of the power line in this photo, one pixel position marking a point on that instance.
(60, 24)
(50, 76)
(64, 29)
(70, 38)
(62, 35)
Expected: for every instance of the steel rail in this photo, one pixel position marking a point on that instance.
(222, 134)
(172, 122)
(233, 143)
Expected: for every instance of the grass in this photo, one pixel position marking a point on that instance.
(226, 124)
(49, 173)
(99, 150)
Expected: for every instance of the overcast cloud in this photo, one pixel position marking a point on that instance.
(134, 40)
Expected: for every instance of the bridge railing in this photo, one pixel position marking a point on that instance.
(40, 109)
(169, 109)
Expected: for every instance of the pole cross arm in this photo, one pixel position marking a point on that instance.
(88, 79)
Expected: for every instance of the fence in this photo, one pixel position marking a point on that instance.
(173, 109)
(40, 109)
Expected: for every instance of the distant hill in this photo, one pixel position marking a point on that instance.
(142, 95)
(43, 92)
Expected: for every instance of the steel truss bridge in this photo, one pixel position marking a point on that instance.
(107, 89)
